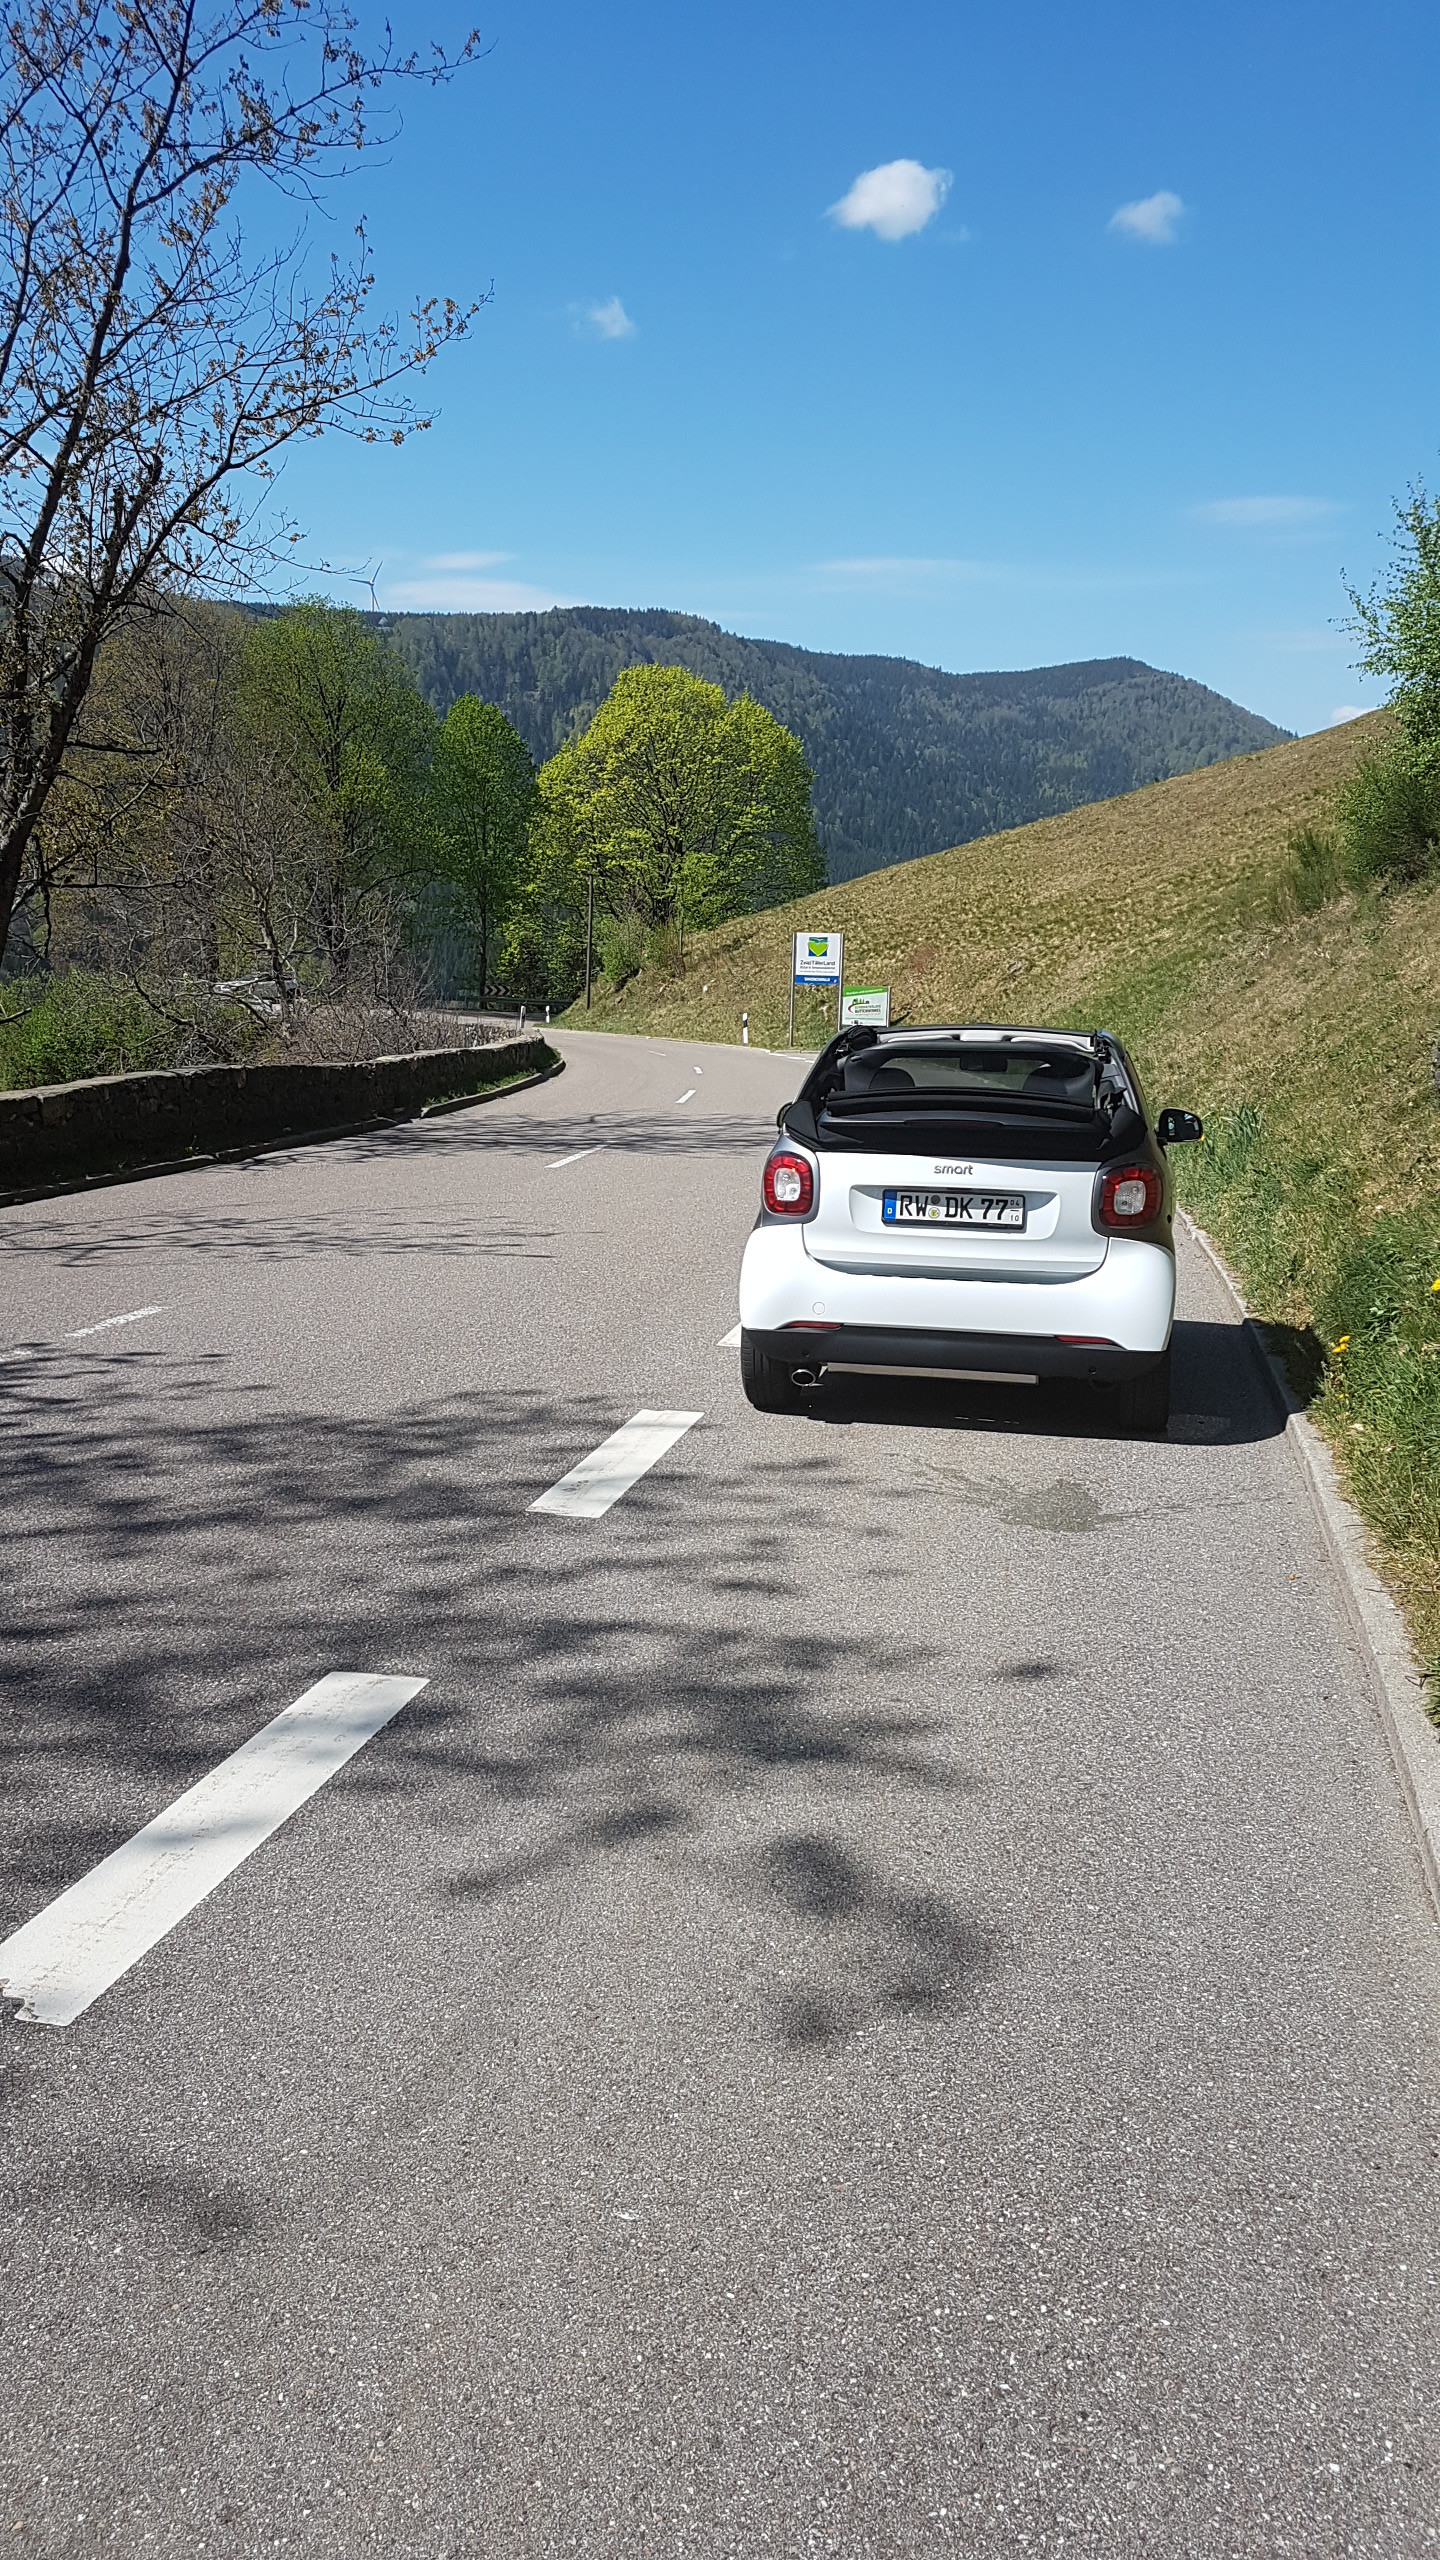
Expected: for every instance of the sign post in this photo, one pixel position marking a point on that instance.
(818, 961)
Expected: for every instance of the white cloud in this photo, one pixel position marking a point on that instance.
(900, 567)
(892, 201)
(921, 575)
(1285, 513)
(609, 319)
(1153, 219)
(450, 583)
(1348, 711)
(1307, 644)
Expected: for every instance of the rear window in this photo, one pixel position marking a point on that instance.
(999, 1074)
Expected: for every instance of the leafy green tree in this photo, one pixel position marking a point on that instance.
(682, 808)
(320, 688)
(1389, 809)
(482, 793)
(544, 951)
(1398, 622)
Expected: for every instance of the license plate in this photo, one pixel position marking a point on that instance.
(953, 1209)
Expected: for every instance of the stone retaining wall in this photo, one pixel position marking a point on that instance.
(56, 1133)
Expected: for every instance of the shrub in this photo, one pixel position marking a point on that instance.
(1390, 815)
(1317, 873)
(84, 1024)
(663, 951)
(622, 947)
(80, 1024)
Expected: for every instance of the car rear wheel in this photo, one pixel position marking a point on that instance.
(766, 1382)
(1142, 1405)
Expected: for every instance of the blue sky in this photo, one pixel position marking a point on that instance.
(1022, 431)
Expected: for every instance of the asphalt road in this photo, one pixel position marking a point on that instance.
(881, 2000)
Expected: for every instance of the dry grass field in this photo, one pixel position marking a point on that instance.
(1305, 1040)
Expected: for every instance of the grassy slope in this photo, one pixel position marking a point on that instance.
(1304, 1040)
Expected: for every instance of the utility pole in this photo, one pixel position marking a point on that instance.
(589, 933)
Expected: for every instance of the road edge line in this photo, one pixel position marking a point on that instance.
(1396, 1677)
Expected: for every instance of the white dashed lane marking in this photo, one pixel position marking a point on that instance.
(590, 1488)
(561, 1161)
(688, 1095)
(106, 1322)
(97, 1929)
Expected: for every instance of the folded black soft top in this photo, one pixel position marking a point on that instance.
(979, 1090)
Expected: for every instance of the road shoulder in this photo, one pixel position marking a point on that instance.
(1396, 1676)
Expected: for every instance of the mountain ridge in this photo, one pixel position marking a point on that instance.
(908, 759)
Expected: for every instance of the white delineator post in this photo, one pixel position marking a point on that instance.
(744, 1030)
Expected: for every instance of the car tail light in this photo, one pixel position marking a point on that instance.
(1129, 1196)
(789, 1185)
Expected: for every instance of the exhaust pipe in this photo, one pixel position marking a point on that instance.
(804, 1377)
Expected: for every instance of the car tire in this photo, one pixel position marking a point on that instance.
(766, 1382)
(1142, 1405)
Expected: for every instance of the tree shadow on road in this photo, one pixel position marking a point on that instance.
(915, 1955)
(236, 1234)
(177, 1570)
(200, 1213)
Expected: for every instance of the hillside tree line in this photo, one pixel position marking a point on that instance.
(907, 759)
(270, 819)
(228, 820)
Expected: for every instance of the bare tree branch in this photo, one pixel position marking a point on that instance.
(153, 368)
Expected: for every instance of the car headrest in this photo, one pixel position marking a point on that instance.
(1068, 1084)
(862, 1075)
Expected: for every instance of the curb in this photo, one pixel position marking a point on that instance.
(489, 1092)
(276, 1146)
(1396, 1679)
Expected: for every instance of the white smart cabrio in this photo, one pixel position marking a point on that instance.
(962, 1203)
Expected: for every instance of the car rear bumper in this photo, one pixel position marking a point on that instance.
(1125, 1307)
(1019, 1359)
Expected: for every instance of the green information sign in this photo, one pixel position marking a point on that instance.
(865, 1004)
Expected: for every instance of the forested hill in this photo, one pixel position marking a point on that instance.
(906, 758)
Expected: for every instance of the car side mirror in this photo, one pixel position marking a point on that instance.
(1179, 1128)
